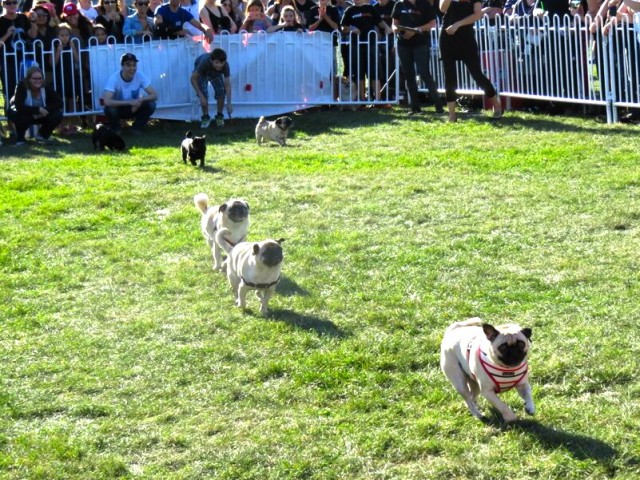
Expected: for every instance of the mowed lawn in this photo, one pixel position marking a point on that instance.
(122, 355)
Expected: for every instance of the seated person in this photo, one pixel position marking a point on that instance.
(35, 104)
(123, 97)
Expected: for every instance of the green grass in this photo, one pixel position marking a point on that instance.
(122, 356)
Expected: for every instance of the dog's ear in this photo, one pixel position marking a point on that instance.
(222, 208)
(490, 331)
(256, 248)
(527, 333)
(279, 241)
(247, 204)
(204, 137)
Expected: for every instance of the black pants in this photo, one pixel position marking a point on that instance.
(462, 46)
(23, 121)
(417, 58)
(140, 117)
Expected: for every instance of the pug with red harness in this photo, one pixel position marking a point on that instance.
(479, 358)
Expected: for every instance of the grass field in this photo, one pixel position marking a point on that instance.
(122, 356)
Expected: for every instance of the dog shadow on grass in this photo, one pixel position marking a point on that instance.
(579, 446)
(288, 288)
(308, 322)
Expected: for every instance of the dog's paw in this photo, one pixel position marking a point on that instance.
(509, 417)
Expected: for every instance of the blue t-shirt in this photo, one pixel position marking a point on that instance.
(172, 22)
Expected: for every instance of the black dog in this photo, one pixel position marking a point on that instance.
(103, 137)
(194, 148)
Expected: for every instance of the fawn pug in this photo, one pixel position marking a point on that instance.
(274, 130)
(479, 358)
(233, 216)
(253, 266)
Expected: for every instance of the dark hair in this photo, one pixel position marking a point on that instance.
(219, 54)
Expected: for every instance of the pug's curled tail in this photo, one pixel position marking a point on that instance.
(261, 119)
(221, 239)
(201, 201)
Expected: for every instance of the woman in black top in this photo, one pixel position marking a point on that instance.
(35, 103)
(458, 42)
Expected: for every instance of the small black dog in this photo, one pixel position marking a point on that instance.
(103, 137)
(194, 148)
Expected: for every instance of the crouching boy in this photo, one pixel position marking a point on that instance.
(212, 68)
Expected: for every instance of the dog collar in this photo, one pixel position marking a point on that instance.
(260, 286)
(233, 244)
(503, 378)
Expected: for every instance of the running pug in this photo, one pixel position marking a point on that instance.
(479, 358)
(233, 216)
(253, 266)
(276, 130)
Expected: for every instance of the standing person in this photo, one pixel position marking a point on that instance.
(212, 68)
(16, 30)
(324, 17)
(66, 71)
(111, 18)
(414, 48)
(458, 42)
(361, 20)
(216, 16)
(139, 25)
(86, 8)
(255, 18)
(35, 104)
(170, 19)
(123, 97)
(289, 21)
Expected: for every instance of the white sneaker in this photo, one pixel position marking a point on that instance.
(206, 121)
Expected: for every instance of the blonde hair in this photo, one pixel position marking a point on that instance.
(30, 71)
(289, 8)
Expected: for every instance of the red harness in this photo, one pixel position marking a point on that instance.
(503, 378)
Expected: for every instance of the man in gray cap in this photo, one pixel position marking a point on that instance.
(129, 94)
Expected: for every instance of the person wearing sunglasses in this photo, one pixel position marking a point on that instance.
(140, 25)
(16, 30)
(111, 18)
(35, 103)
(216, 16)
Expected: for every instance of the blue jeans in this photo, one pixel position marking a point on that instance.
(140, 117)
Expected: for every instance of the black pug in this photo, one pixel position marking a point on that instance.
(194, 148)
(104, 137)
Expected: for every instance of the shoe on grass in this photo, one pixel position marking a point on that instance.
(219, 120)
(205, 122)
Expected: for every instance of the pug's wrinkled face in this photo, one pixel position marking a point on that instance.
(236, 210)
(270, 253)
(284, 123)
(510, 342)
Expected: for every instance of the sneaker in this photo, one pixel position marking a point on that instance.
(219, 120)
(20, 143)
(415, 111)
(206, 121)
(41, 139)
(439, 109)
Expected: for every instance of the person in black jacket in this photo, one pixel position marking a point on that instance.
(35, 104)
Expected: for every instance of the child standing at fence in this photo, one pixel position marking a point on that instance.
(212, 68)
(66, 62)
(256, 19)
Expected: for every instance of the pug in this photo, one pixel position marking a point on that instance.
(479, 358)
(348, 92)
(253, 266)
(276, 130)
(104, 137)
(233, 216)
(194, 149)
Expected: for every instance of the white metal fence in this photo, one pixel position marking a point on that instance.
(530, 58)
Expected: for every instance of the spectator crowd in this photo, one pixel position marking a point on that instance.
(52, 35)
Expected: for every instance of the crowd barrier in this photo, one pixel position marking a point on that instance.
(556, 60)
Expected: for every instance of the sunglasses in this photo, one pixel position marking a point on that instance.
(226, 4)
(143, 4)
(10, 3)
(36, 78)
(109, 3)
